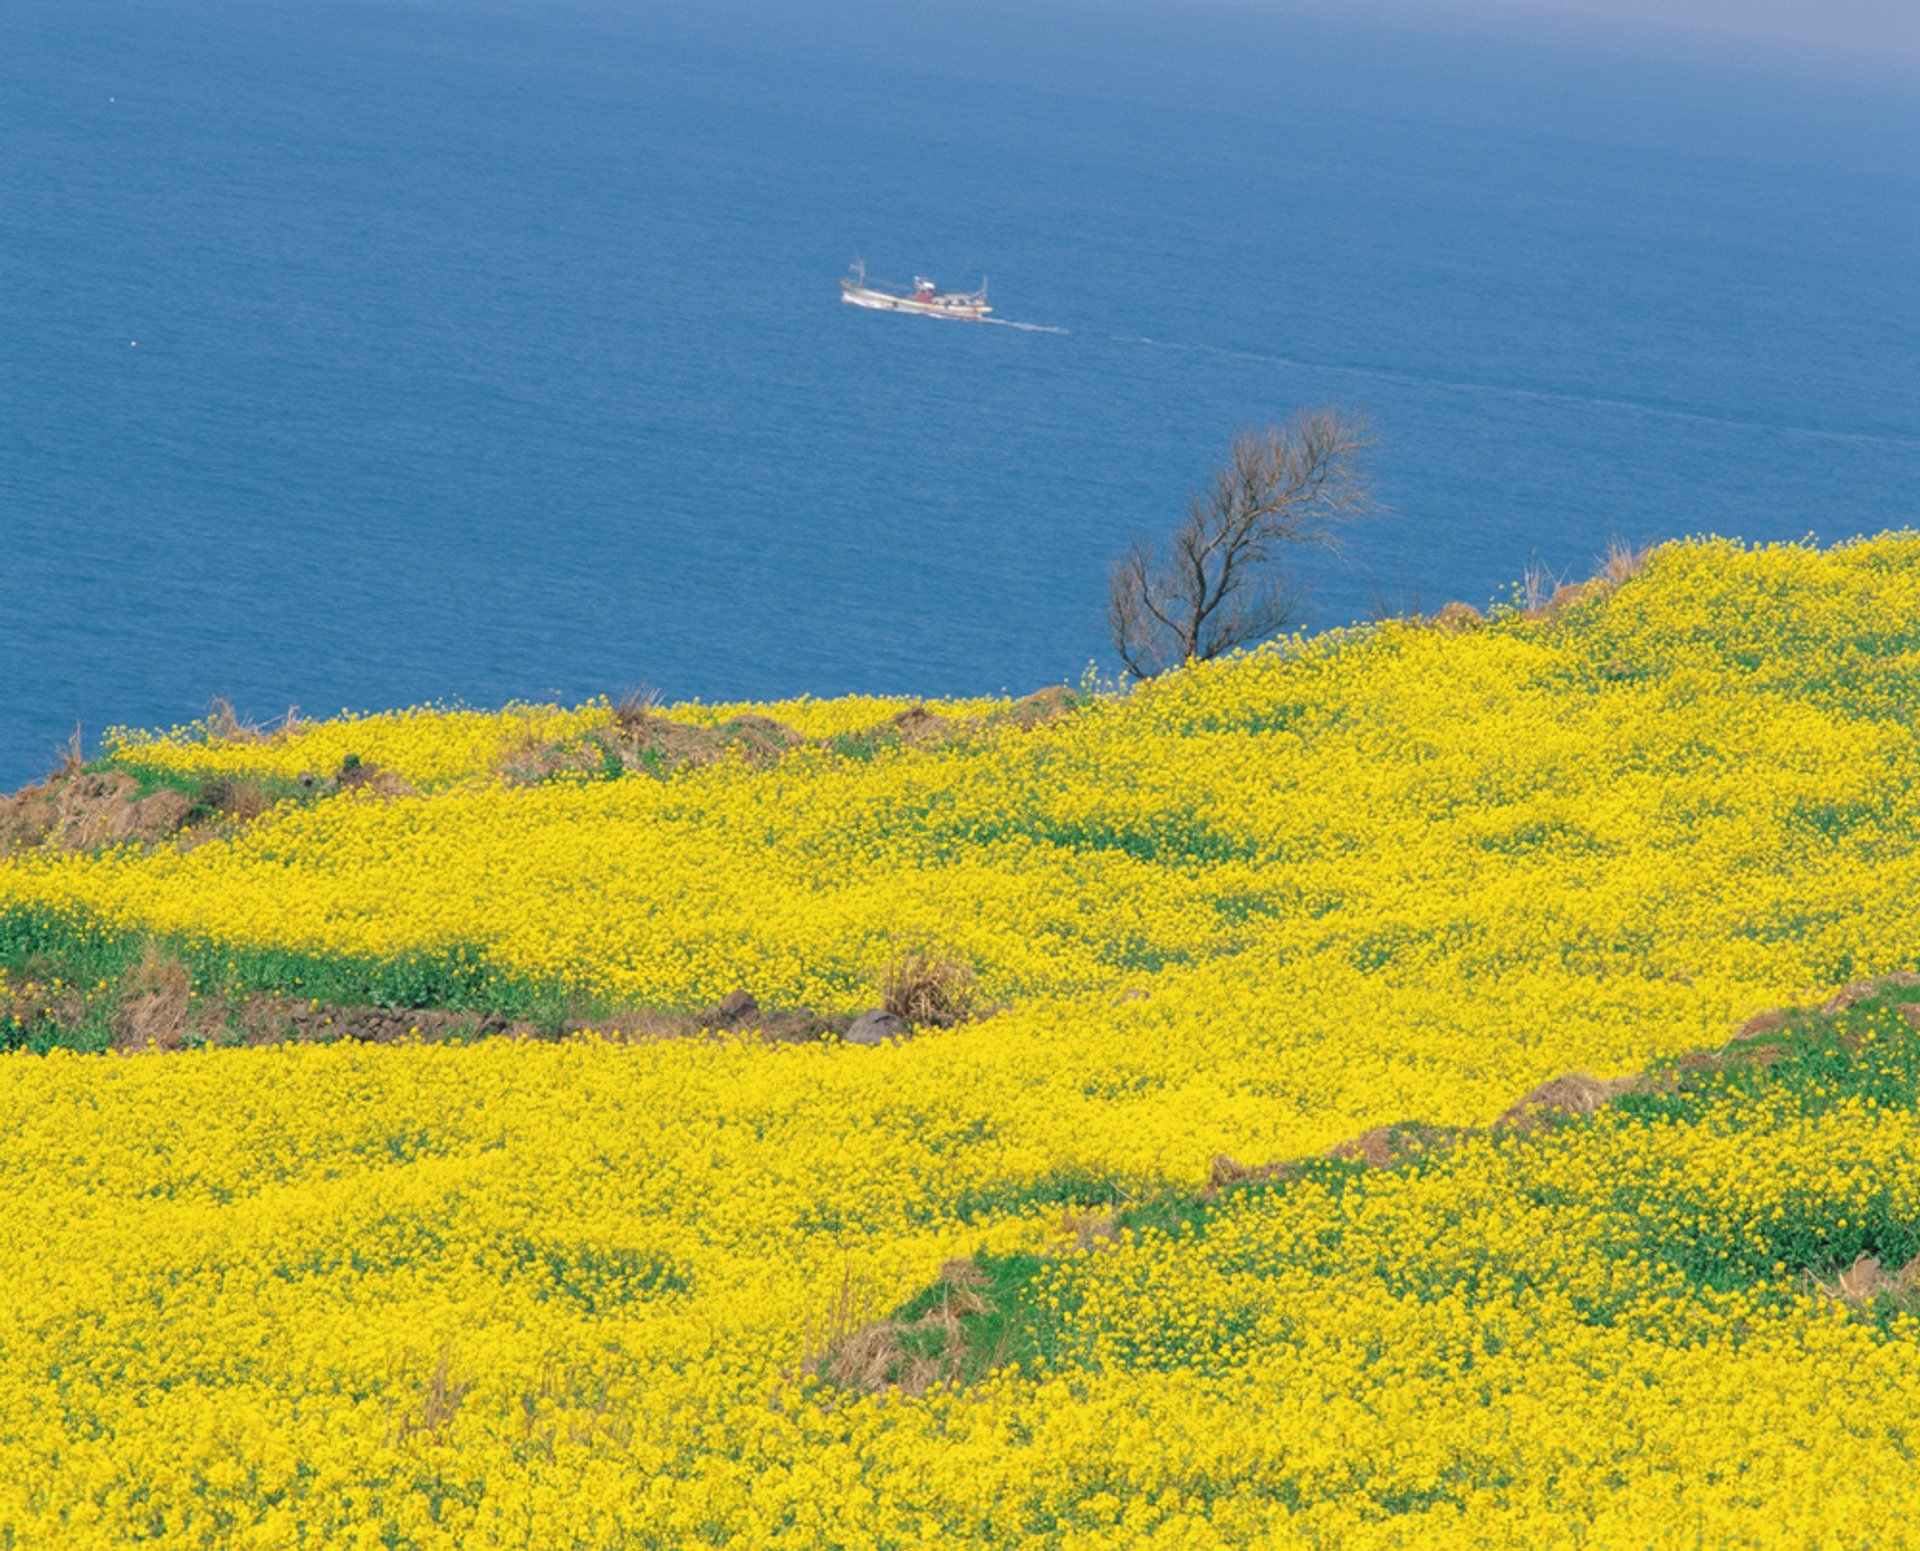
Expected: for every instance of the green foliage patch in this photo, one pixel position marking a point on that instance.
(1659, 1182)
(91, 963)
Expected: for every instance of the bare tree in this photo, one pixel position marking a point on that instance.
(1222, 582)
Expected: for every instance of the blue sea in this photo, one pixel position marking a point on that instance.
(363, 354)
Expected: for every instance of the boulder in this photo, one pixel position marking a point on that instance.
(877, 1028)
(732, 1010)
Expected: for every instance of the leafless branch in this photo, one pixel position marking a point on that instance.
(1222, 583)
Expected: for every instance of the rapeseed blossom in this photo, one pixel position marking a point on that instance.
(563, 1294)
(432, 747)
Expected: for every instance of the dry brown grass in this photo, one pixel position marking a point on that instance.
(1384, 1147)
(22, 821)
(1457, 617)
(849, 1310)
(156, 1003)
(1573, 1094)
(873, 1356)
(76, 809)
(760, 740)
(37, 995)
(73, 755)
(375, 781)
(637, 738)
(247, 801)
(224, 723)
(1043, 706)
(1620, 562)
(92, 809)
(240, 799)
(1853, 991)
(439, 1402)
(85, 809)
(928, 987)
(635, 709)
(1868, 1281)
(1223, 1173)
(919, 725)
(1538, 584)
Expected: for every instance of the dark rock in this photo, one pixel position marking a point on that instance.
(732, 1010)
(877, 1028)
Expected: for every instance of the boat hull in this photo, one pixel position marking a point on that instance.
(938, 307)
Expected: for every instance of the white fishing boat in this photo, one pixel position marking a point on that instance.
(856, 290)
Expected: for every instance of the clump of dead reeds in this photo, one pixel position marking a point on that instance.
(1538, 583)
(635, 710)
(224, 724)
(73, 755)
(1621, 562)
(930, 987)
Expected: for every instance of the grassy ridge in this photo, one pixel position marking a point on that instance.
(84, 971)
(1636, 1176)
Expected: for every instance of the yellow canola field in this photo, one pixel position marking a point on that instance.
(839, 717)
(427, 746)
(509, 1296)
(433, 747)
(1524, 1345)
(552, 1295)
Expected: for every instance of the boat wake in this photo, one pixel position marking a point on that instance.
(1029, 328)
(1504, 391)
(972, 307)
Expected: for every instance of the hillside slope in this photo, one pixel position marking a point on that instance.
(435, 1294)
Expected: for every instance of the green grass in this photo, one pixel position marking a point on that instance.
(94, 961)
(209, 794)
(1860, 1062)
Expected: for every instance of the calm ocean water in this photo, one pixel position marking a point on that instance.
(358, 354)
